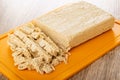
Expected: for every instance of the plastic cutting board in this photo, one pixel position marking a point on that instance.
(80, 57)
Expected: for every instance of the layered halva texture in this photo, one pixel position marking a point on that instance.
(73, 24)
(44, 43)
(32, 49)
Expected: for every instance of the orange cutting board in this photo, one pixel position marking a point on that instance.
(81, 56)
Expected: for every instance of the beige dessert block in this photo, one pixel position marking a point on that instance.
(74, 24)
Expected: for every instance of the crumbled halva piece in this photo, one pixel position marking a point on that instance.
(34, 50)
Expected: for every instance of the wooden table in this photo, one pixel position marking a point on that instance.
(16, 12)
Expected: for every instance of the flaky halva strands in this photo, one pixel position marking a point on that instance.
(33, 49)
(67, 27)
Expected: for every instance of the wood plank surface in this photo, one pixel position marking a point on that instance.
(16, 12)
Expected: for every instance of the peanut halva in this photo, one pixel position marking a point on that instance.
(33, 49)
(44, 43)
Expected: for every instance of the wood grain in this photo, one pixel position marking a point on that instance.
(16, 12)
(105, 68)
(2, 77)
